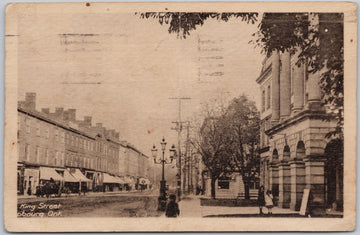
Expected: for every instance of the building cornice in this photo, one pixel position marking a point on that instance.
(53, 122)
(306, 114)
(263, 74)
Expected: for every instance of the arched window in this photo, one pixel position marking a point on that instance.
(275, 155)
(286, 154)
(300, 150)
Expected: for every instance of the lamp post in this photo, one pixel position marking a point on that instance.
(162, 197)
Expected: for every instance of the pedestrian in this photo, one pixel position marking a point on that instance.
(172, 208)
(84, 189)
(261, 199)
(269, 202)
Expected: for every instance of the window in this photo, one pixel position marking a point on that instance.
(47, 135)
(46, 156)
(263, 101)
(224, 182)
(37, 128)
(56, 135)
(27, 152)
(67, 138)
(62, 137)
(38, 153)
(27, 123)
(268, 97)
(18, 123)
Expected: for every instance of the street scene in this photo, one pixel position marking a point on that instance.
(180, 114)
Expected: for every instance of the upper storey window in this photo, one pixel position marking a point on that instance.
(268, 99)
(263, 101)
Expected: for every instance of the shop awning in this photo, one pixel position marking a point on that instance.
(68, 177)
(109, 179)
(46, 173)
(144, 181)
(79, 176)
(119, 180)
(128, 180)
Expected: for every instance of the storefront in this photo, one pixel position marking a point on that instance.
(82, 180)
(109, 182)
(31, 180)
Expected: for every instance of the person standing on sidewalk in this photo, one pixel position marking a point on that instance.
(172, 208)
(269, 202)
(261, 199)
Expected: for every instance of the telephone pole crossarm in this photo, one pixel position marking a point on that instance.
(178, 128)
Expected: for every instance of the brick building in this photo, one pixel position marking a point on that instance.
(72, 152)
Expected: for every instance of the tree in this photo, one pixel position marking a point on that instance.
(228, 142)
(182, 23)
(212, 143)
(317, 36)
(243, 119)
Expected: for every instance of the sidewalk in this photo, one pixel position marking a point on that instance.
(63, 195)
(190, 207)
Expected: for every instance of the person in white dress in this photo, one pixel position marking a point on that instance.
(269, 204)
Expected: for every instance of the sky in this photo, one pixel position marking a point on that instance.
(122, 70)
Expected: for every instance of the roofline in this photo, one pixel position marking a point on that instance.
(264, 74)
(53, 122)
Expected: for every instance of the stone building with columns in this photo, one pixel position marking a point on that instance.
(295, 153)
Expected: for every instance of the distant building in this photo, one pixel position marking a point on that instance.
(72, 152)
(295, 154)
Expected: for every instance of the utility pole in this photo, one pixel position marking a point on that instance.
(188, 157)
(178, 128)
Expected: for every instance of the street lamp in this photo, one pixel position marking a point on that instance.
(162, 197)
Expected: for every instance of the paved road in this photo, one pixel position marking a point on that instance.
(93, 205)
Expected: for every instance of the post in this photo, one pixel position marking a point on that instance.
(162, 197)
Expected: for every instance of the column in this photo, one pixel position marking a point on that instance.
(262, 172)
(314, 90)
(297, 175)
(315, 180)
(275, 86)
(284, 184)
(298, 80)
(274, 180)
(285, 82)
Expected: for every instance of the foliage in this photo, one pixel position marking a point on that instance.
(319, 40)
(243, 119)
(212, 143)
(228, 141)
(182, 23)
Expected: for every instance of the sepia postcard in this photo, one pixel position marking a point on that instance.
(170, 117)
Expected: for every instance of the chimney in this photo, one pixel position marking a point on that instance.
(87, 121)
(72, 114)
(21, 104)
(45, 110)
(30, 99)
(66, 115)
(59, 113)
